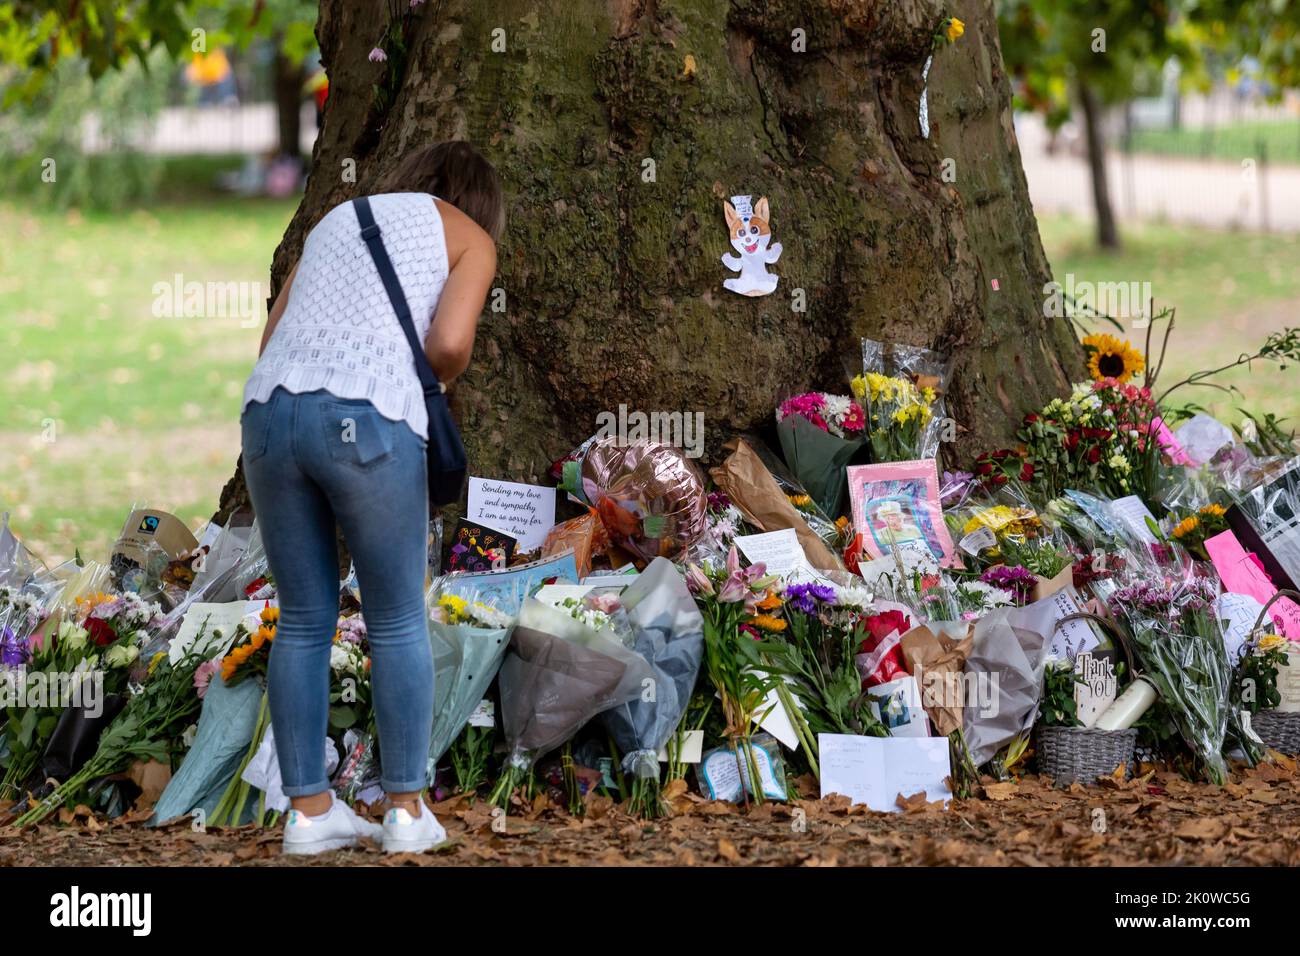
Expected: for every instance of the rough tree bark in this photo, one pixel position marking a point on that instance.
(613, 285)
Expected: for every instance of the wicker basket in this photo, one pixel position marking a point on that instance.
(1081, 754)
(1279, 731)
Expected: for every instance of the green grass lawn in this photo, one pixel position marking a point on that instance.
(1230, 290)
(106, 404)
(1276, 140)
(144, 409)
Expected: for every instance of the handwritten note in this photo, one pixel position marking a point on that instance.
(216, 623)
(1067, 641)
(1238, 614)
(878, 770)
(781, 553)
(525, 512)
(1132, 514)
(1241, 575)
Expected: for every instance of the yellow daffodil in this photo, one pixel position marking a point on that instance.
(953, 28)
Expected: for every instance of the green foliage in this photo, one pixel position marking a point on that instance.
(43, 153)
(1058, 708)
(38, 36)
(1257, 679)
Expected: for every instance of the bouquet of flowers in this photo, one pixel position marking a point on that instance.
(248, 658)
(152, 726)
(1191, 530)
(564, 666)
(816, 655)
(898, 415)
(733, 658)
(820, 433)
(1179, 642)
(1101, 438)
(902, 387)
(469, 638)
(669, 635)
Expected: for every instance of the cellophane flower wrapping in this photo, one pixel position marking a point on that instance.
(1168, 607)
(668, 634)
(1005, 668)
(469, 639)
(901, 389)
(558, 673)
(820, 434)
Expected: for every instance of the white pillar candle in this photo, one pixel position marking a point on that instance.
(1128, 707)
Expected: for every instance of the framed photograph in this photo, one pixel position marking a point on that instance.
(896, 508)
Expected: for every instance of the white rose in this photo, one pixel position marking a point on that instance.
(121, 654)
(73, 636)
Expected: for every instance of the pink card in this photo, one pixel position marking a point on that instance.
(1168, 443)
(1242, 575)
(896, 506)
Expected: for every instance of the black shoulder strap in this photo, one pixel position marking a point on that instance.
(375, 243)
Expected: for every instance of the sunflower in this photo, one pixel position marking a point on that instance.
(1109, 357)
(1186, 526)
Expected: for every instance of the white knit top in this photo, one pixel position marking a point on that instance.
(338, 331)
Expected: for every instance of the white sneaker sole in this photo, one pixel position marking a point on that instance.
(395, 845)
(312, 847)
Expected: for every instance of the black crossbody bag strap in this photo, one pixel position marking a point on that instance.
(447, 463)
(388, 275)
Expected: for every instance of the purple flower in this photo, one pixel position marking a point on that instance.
(13, 650)
(377, 55)
(1017, 581)
(804, 597)
(718, 501)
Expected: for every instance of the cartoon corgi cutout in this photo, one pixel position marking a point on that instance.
(749, 230)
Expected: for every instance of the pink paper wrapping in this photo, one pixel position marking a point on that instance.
(897, 504)
(1241, 574)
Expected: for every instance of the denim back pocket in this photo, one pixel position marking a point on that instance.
(356, 434)
(255, 428)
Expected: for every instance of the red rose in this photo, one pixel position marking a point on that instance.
(100, 633)
(884, 624)
(1027, 472)
(1030, 419)
(1094, 455)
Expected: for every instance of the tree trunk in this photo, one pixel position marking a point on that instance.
(611, 276)
(289, 78)
(1107, 232)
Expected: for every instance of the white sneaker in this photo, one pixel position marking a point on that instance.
(336, 828)
(404, 833)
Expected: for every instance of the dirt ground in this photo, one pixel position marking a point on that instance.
(1158, 819)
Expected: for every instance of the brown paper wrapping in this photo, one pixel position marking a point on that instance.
(753, 490)
(1046, 587)
(931, 658)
